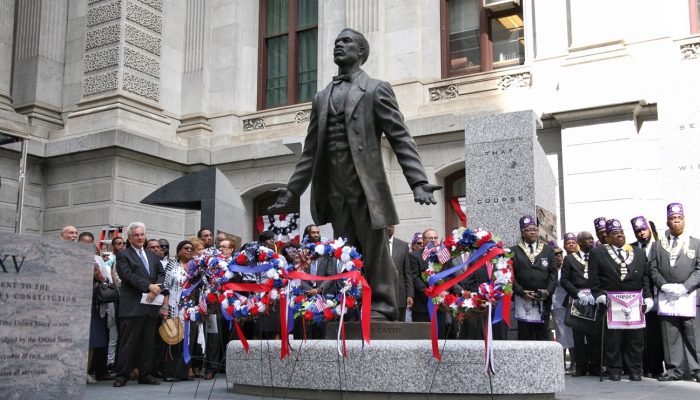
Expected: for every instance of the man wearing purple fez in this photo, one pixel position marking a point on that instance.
(599, 225)
(535, 273)
(616, 267)
(675, 270)
(642, 232)
(570, 243)
(575, 280)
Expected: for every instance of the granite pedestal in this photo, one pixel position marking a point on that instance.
(507, 175)
(395, 369)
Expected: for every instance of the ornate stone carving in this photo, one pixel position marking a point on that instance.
(141, 86)
(515, 81)
(142, 40)
(99, 83)
(301, 116)
(690, 51)
(156, 4)
(144, 17)
(101, 59)
(253, 124)
(134, 59)
(102, 36)
(102, 14)
(443, 92)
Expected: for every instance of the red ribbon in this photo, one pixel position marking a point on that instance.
(245, 287)
(436, 290)
(241, 336)
(283, 326)
(366, 294)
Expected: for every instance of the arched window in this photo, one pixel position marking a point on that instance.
(455, 192)
(284, 223)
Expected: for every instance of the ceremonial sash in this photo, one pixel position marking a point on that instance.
(625, 310)
(678, 306)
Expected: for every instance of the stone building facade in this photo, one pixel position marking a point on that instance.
(119, 97)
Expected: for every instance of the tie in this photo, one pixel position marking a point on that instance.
(585, 257)
(142, 255)
(340, 78)
(674, 243)
(619, 253)
(531, 249)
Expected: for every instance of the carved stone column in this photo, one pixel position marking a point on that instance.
(39, 59)
(7, 25)
(122, 50)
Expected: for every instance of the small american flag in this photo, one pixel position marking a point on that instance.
(320, 304)
(428, 250)
(443, 254)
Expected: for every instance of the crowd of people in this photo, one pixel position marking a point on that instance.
(138, 337)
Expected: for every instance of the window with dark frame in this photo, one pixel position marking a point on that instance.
(455, 195)
(288, 52)
(694, 16)
(476, 39)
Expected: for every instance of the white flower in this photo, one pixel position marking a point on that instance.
(271, 273)
(345, 257)
(502, 263)
(338, 243)
(296, 283)
(468, 303)
(228, 275)
(330, 303)
(224, 303)
(261, 307)
(274, 294)
(237, 304)
(320, 249)
(338, 310)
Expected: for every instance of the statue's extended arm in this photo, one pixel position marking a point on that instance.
(390, 119)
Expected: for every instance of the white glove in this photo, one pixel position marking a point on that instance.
(667, 288)
(590, 299)
(649, 303)
(602, 299)
(678, 289)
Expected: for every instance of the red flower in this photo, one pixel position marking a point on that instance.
(265, 300)
(358, 263)
(338, 252)
(450, 298)
(211, 298)
(262, 257)
(275, 256)
(229, 294)
(253, 310)
(308, 315)
(229, 309)
(221, 298)
(241, 259)
(449, 242)
(349, 302)
(299, 299)
(328, 314)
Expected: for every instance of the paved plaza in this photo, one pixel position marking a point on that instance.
(576, 388)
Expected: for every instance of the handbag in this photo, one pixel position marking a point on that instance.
(106, 292)
(583, 318)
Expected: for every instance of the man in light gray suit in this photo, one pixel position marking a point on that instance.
(675, 269)
(404, 289)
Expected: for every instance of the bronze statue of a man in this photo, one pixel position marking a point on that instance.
(342, 160)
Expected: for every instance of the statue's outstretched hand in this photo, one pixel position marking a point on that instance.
(423, 194)
(283, 197)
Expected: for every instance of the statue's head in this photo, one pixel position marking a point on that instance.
(350, 47)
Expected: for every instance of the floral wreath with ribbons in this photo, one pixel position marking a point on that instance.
(475, 249)
(216, 284)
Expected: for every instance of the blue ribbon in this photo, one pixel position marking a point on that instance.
(186, 343)
(475, 256)
(189, 290)
(245, 269)
(498, 315)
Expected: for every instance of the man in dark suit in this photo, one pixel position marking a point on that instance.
(574, 277)
(599, 225)
(535, 279)
(653, 341)
(675, 270)
(615, 267)
(342, 159)
(142, 274)
(398, 249)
